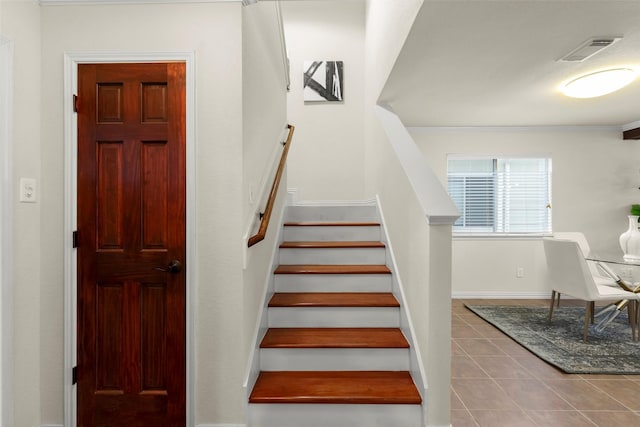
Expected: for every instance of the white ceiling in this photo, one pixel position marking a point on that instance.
(495, 63)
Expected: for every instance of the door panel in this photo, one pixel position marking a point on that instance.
(131, 226)
(109, 195)
(154, 194)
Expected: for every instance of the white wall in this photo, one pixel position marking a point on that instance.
(214, 33)
(388, 24)
(20, 22)
(6, 228)
(264, 104)
(387, 27)
(595, 180)
(265, 110)
(327, 156)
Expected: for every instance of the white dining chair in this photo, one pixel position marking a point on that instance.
(569, 274)
(581, 240)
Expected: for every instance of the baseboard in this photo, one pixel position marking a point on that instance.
(198, 425)
(221, 425)
(500, 295)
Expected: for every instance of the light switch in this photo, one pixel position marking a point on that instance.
(28, 190)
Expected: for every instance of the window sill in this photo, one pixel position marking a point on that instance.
(502, 236)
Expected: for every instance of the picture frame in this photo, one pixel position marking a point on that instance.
(323, 81)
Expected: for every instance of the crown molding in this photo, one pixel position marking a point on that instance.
(107, 2)
(562, 128)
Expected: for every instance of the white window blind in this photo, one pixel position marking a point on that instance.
(501, 195)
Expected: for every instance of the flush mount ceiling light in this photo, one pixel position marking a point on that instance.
(599, 83)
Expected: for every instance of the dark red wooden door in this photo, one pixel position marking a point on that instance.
(131, 227)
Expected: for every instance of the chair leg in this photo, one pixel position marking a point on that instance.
(631, 311)
(587, 317)
(637, 320)
(593, 312)
(553, 300)
(558, 305)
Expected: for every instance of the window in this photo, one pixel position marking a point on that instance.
(501, 195)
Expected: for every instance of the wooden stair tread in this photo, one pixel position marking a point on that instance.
(333, 299)
(332, 224)
(332, 244)
(334, 338)
(350, 387)
(332, 269)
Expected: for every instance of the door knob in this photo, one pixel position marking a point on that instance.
(174, 267)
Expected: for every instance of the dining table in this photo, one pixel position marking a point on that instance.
(608, 313)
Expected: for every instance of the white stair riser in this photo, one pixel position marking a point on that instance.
(318, 415)
(332, 283)
(327, 317)
(331, 233)
(334, 359)
(332, 256)
(331, 213)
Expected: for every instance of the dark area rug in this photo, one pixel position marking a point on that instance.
(560, 343)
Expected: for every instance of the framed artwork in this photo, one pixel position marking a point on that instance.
(323, 81)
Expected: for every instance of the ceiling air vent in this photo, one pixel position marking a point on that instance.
(589, 48)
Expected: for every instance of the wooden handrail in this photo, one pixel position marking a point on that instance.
(264, 223)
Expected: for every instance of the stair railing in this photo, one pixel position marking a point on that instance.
(265, 216)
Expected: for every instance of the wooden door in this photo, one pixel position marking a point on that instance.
(131, 245)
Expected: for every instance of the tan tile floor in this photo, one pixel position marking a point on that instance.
(495, 382)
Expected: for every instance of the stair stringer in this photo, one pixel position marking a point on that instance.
(415, 360)
(262, 323)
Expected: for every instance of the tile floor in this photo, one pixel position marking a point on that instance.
(495, 382)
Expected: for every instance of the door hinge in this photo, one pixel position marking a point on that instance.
(74, 375)
(75, 239)
(75, 103)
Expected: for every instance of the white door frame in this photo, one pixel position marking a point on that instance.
(6, 232)
(71, 62)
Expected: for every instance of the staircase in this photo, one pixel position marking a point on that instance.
(333, 354)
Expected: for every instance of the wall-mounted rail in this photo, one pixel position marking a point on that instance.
(266, 216)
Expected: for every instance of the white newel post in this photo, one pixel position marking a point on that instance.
(438, 355)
